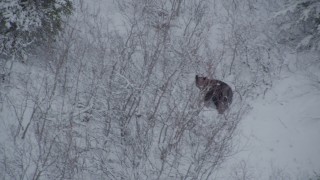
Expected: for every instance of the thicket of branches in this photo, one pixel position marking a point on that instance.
(298, 24)
(120, 103)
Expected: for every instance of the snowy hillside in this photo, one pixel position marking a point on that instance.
(279, 138)
(106, 89)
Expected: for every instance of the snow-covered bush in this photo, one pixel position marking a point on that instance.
(120, 103)
(117, 99)
(29, 22)
(242, 50)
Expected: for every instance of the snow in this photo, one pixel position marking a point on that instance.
(279, 137)
(305, 41)
(289, 9)
(282, 131)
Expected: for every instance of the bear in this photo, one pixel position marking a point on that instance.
(216, 91)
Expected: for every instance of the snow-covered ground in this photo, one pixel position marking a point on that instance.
(280, 137)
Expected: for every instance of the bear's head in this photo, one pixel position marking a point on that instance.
(202, 82)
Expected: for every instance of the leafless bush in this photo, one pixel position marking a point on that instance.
(242, 171)
(122, 104)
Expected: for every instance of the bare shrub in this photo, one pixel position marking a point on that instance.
(123, 104)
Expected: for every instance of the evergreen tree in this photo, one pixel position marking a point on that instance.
(24, 23)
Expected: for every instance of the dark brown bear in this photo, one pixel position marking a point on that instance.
(216, 91)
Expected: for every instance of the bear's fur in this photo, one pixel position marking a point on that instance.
(220, 93)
